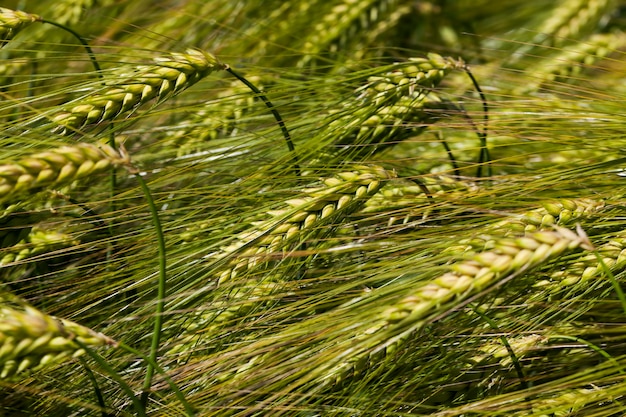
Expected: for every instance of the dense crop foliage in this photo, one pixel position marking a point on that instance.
(312, 208)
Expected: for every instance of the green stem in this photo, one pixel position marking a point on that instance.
(188, 408)
(139, 408)
(96, 388)
(161, 291)
(92, 56)
(483, 156)
(277, 116)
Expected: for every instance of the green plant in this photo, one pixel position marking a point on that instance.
(404, 208)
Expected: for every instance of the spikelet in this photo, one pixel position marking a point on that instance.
(496, 352)
(56, 167)
(38, 241)
(585, 268)
(31, 340)
(389, 107)
(12, 21)
(168, 76)
(510, 255)
(563, 212)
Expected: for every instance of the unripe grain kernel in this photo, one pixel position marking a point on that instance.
(568, 204)
(486, 258)
(468, 268)
(589, 273)
(501, 263)
(68, 171)
(521, 259)
(553, 208)
(542, 253)
(565, 217)
(546, 237)
(85, 169)
(527, 243)
(45, 176)
(547, 220)
(507, 247)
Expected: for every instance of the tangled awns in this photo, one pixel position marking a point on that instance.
(312, 208)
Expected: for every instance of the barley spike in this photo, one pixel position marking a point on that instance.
(465, 279)
(573, 17)
(55, 167)
(389, 107)
(169, 76)
(12, 21)
(32, 340)
(563, 212)
(395, 324)
(575, 59)
(302, 217)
